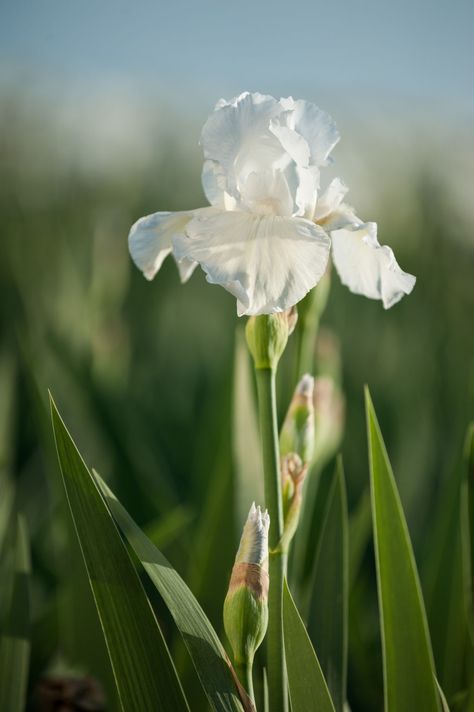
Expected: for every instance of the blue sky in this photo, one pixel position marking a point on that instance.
(418, 50)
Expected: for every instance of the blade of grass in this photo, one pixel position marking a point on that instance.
(143, 669)
(306, 684)
(15, 640)
(327, 622)
(409, 672)
(207, 653)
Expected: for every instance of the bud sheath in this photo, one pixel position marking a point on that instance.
(246, 603)
(267, 335)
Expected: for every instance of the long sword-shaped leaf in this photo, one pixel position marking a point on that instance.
(143, 670)
(327, 622)
(306, 683)
(15, 640)
(409, 673)
(208, 655)
(467, 532)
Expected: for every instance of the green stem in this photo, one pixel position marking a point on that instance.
(244, 672)
(307, 331)
(276, 670)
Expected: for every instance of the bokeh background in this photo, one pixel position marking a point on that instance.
(101, 106)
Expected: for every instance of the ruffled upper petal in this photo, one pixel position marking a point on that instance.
(268, 262)
(330, 200)
(214, 183)
(367, 267)
(294, 143)
(256, 134)
(315, 126)
(149, 242)
(237, 136)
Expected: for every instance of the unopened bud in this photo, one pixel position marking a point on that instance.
(267, 335)
(297, 433)
(246, 603)
(293, 473)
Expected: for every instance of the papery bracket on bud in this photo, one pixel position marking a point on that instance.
(293, 473)
(246, 603)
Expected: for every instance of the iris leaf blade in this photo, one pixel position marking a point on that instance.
(15, 639)
(409, 672)
(143, 669)
(327, 622)
(307, 686)
(206, 651)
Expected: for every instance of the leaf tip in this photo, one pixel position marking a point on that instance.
(368, 399)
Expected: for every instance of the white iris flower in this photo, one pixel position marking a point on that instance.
(269, 230)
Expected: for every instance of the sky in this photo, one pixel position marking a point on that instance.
(114, 77)
(417, 51)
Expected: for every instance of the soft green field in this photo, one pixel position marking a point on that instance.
(143, 375)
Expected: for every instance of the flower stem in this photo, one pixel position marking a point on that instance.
(276, 669)
(244, 672)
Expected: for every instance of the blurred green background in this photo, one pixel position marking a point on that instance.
(143, 372)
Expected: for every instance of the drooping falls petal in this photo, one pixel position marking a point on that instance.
(268, 262)
(367, 267)
(150, 241)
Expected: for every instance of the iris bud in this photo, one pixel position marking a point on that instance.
(297, 433)
(246, 603)
(296, 451)
(267, 335)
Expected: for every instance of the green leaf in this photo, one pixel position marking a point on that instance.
(305, 546)
(15, 640)
(143, 670)
(360, 529)
(306, 683)
(327, 623)
(467, 532)
(443, 587)
(409, 673)
(442, 697)
(207, 653)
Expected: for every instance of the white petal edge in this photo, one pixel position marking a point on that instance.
(330, 200)
(233, 122)
(368, 268)
(268, 262)
(316, 126)
(150, 242)
(214, 186)
(237, 137)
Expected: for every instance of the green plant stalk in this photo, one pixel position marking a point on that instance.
(244, 673)
(276, 669)
(306, 344)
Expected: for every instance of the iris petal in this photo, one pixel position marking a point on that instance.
(268, 262)
(150, 241)
(367, 267)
